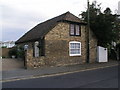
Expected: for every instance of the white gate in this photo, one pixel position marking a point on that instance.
(102, 54)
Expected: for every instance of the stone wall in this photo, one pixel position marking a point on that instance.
(57, 48)
(93, 47)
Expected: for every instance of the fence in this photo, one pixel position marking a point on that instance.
(5, 52)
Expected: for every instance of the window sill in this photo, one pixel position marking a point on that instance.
(76, 35)
(75, 54)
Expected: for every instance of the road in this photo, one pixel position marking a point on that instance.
(99, 78)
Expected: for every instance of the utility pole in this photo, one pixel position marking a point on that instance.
(88, 38)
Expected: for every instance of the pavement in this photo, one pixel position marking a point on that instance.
(11, 64)
(22, 74)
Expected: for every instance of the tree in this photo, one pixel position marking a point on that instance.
(104, 24)
(107, 11)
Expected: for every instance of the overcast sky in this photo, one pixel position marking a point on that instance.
(19, 16)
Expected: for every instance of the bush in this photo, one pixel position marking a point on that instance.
(13, 52)
(20, 52)
(4, 47)
(112, 55)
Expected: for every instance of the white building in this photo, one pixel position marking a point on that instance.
(7, 44)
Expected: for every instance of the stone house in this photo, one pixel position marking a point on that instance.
(61, 40)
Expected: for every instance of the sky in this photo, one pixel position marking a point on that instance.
(19, 16)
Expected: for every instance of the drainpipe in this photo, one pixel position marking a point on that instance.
(88, 38)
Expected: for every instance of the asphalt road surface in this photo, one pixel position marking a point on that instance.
(99, 78)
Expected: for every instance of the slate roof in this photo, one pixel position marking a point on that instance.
(43, 28)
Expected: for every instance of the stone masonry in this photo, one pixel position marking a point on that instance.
(57, 48)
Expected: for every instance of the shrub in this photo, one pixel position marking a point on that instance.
(13, 51)
(4, 47)
(20, 52)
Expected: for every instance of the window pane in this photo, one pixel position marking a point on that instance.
(75, 48)
(75, 51)
(71, 51)
(72, 45)
(77, 30)
(77, 45)
(71, 29)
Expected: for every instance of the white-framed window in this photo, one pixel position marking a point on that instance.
(75, 48)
